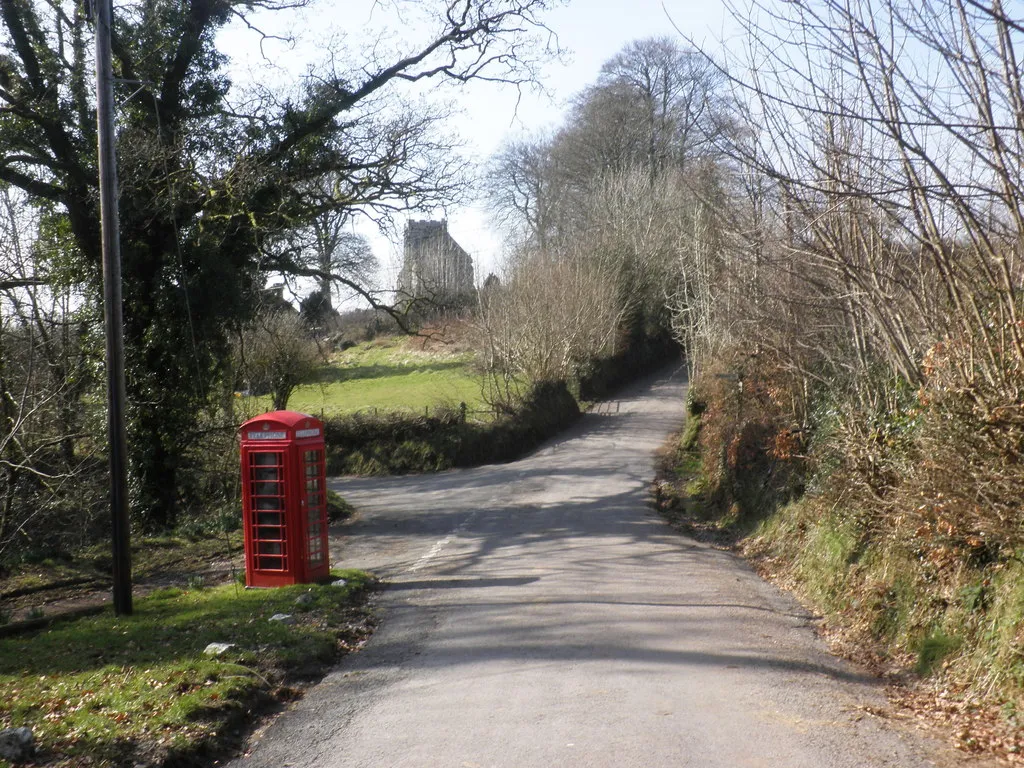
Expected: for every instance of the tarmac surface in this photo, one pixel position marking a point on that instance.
(540, 613)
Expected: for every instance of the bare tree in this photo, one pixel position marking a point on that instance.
(47, 361)
(680, 97)
(656, 105)
(274, 354)
(903, 173)
(523, 186)
(547, 318)
(887, 137)
(616, 188)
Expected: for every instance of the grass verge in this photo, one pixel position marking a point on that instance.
(139, 690)
(947, 633)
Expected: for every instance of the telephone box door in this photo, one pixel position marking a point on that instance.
(314, 502)
(268, 524)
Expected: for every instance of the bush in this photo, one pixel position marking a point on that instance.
(752, 453)
(911, 540)
(400, 444)
(387, 444)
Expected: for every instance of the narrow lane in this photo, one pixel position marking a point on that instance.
(540, 614)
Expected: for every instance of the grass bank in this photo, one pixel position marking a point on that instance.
(140, 690)
(395, 441)
(944, 622)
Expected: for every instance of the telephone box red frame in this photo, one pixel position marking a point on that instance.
(284, 499)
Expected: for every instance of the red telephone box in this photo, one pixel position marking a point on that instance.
(284, 499)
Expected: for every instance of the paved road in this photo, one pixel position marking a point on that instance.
(540, 614)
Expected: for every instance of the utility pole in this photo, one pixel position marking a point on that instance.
(113, 320)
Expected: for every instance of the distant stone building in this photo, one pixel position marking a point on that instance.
(435, 268)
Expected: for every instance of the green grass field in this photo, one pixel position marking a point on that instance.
(384, 375)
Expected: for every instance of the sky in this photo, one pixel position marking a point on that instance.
(592, 31)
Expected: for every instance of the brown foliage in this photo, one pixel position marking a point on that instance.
(753, 454)
(967, 490)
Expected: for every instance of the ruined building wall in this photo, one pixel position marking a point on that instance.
(434, 266)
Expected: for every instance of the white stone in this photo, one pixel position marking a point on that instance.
(216, 649)
(284, 618)
(339, 583)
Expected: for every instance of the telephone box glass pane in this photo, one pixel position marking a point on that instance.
(311, 460)
(313, 470)
(269, 534)
(269, 519)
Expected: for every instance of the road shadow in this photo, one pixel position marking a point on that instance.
(582, 500)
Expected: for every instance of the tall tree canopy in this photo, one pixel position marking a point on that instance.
(656, 105)
(210, 182)
(621, 184)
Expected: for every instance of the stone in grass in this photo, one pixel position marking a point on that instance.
(217, 649)
(284, 618)
(16, 744)
(306, 598)
(340, 583)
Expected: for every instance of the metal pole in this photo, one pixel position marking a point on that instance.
(113, 319)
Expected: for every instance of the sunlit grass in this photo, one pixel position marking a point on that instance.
(386, 375)
(106, 688)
